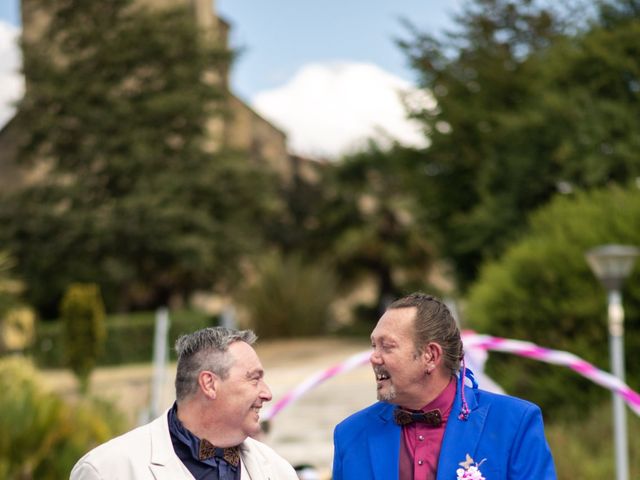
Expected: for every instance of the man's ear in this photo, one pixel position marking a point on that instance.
(432, 356)
(209, 384)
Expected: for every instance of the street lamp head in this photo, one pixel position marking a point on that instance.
(612, 264)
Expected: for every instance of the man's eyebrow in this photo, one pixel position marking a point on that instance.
(383, 337)
(385, 340)
(258, 372)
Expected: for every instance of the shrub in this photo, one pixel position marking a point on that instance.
(584, 449)
(16, 319)
(290, 298)
(41, 436)
(82, 312)
(542, 290)
(129, 337)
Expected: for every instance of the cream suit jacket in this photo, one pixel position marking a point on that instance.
(146, 453)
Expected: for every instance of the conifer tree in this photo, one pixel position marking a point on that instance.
(117, 108)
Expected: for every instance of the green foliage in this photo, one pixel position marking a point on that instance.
(526, 104)
(361, 220)
(82, 313)
(291, 297)
(41, 436)
(591, 115)
(9, 287)
(584, 448)
(542, 290)
(129, 338)
(308, 224)
(119, 106)
(377, 229)
(16, 320)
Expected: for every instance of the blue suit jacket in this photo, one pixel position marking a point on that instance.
(506, 432)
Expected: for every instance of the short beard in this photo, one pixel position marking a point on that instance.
(389, 396)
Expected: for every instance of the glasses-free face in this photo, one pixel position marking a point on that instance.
(400, 370)
(243, 393)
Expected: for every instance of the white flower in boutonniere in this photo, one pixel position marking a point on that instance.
(470, 469)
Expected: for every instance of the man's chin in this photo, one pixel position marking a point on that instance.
(386, 395)
(255, 431)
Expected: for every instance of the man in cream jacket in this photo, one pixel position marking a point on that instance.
(206, 434)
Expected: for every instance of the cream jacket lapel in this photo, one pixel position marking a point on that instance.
(163, 462)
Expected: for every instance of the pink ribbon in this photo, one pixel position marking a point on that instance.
(472, 340)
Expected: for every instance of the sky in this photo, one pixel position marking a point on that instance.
(327, 73)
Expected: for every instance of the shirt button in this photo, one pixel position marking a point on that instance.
(420, 437)
(420, 462)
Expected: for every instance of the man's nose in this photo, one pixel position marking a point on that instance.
(375, 357)
(265, 393)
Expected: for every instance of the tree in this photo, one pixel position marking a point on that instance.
(117, 106)
(377, 232)
(307, 226)
(527, 104)
(543, 291)
(82, 313)
(591, 115)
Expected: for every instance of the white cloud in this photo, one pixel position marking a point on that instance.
(328, 109)
(11, 80)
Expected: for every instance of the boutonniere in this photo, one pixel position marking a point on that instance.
(470, 469)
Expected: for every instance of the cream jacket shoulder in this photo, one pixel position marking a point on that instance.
(146, 453)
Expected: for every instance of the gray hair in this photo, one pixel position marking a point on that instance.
(202, 350)
(434, 323)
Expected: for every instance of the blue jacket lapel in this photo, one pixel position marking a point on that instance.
(384, 446)
(461, 437)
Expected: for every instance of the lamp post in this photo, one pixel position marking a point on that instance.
(612, 264)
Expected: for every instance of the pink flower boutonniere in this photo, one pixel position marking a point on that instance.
(470, 470)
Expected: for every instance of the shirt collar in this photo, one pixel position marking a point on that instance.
(179, 432)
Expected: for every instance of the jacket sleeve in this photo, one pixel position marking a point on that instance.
(530, 456)
(337, 461)
(84, 471)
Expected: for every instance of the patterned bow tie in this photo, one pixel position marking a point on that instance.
(433, 418)
(231, 455)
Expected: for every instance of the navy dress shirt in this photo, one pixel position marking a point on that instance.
(187, 448)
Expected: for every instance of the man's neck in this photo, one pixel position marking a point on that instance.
(433, 389)
(199, 420)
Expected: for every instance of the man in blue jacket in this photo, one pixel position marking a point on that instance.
(428, 425)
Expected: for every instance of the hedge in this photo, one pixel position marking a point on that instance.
(129, 337)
